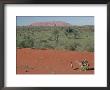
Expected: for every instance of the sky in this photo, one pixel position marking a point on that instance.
(74, 20)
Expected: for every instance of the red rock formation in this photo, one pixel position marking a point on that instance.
(52, 23)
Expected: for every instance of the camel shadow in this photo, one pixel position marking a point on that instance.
(90, 69)
(87, 69)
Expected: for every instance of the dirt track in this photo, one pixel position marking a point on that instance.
(34, 61)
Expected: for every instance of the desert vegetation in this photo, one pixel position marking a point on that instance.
(74, 38)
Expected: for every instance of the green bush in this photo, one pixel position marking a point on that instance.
(72, 46)
(90, 49)
(26, 43)
(72, 32)
(56, 38)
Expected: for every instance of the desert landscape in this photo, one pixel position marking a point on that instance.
(34, 61)
(54, 47)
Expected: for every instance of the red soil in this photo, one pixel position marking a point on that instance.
(34, 61)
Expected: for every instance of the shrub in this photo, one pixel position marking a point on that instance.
(49, 46)
(90, 49)
(72, 46)
(72, 31)
(70, 38)
(26, 43)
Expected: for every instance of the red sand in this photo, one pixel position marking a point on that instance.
(34, 61)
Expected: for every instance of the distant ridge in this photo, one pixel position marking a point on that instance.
(50, 23)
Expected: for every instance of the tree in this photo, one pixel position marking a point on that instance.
(72, 31)
(56, 35)
(76, 34)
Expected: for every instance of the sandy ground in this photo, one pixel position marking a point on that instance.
(34, 61)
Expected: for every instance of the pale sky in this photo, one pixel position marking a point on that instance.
(74, 20)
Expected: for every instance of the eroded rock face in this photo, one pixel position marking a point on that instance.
(54, 23)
